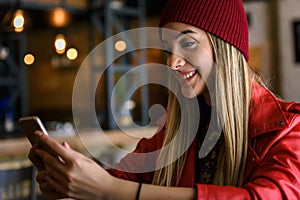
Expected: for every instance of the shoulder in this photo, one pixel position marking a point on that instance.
(291, 111)
(153, 143)
(271, 114)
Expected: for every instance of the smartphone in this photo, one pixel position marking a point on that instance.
(29, 125)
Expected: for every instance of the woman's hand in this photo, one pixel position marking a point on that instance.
(46, 189)
(64, 172)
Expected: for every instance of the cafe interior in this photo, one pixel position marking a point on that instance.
(57, 56)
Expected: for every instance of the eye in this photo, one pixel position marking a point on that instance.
(188, 44)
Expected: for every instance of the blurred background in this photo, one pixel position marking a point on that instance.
(44, 42)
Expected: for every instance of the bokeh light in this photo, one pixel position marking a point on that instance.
(120, 45)
(18, 21)
(59, 17)
(29, 59)
(72, 54)
(60, 44)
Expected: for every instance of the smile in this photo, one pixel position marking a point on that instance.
(189, 74)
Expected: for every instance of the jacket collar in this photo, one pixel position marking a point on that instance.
(266, 113)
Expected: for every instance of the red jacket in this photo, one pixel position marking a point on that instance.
(273, 160)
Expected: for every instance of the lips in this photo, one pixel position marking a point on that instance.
(188, 75)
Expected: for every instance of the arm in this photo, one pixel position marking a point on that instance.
(129, 165)
(275, 175)
(153, 192)
(71, 174)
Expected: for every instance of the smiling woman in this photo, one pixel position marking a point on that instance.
(190, 53)
(246, 141)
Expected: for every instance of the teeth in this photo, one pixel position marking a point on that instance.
(186, 76)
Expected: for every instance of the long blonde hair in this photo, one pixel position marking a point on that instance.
(232, 98)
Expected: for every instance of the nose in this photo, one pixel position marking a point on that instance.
(175, 62)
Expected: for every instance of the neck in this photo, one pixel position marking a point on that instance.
(207, 98)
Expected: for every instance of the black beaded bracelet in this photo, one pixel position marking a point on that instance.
(138, 192)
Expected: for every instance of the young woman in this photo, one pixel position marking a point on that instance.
(256, 155)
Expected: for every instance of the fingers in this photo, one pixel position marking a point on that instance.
(56, 186)
(34, 158)
(40, 177)
(49, 186)
(53, 147)
(57, 175)
(65, 144)
(55, 167)
(49, 192)
(56, 160)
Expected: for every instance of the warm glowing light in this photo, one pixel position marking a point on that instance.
(4, 52)
(19, 29)
(59, 17)
(72, 54)
(18, 21)
(29, 59)
(60, 44)
(120, 45)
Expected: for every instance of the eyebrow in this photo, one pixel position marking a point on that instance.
(184, 32)
(180, 34)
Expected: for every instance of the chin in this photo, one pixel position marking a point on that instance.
(189, 93)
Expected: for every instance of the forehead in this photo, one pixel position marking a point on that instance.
(175, 30)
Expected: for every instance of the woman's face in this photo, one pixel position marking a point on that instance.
(189, 52)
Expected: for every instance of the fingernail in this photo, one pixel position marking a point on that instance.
(66, 144)
(38, 133)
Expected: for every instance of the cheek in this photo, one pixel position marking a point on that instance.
(203, 63)
(199, 54)
(196, 87)
(200, 84)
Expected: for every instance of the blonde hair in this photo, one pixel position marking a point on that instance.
(170, 174)
(232, 97)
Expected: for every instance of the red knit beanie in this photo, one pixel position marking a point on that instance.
(225, 19)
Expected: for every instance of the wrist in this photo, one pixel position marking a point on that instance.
(121, 189)
(111, 188)
(137, 196)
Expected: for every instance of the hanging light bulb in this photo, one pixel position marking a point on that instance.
(60, 43)
(59, 17)
(18, 21)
